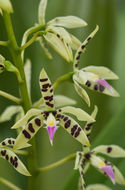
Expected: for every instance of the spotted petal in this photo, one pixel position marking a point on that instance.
(67, 22)
(73, 128)
(102, 72)
(60, 46)
(9, 112)
(82, 47)
(46, 90)
(89, 125)
(97, 187)
(42, 11)
(14, 160)
(79, 113)
(92, 81)
(28, 132)
(11, 142)
(60, 101)
(23, 121)
(110, 150)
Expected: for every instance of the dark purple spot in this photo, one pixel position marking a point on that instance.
(15, 164)
(38, 122)
(30, 127)
(95, 87)
(44, 80)
(44, 90)
(88, 38)
(73, 129)
(7, 157)
(59, 116)
(109, 149)
(3, 152)
(45, 85)
(87, 156)
(88, 83)
(26, 134)
(49, 104)
(9, 141)
(3, 143)
(65, 118)
(101, 88)
(83, 46)
(67, 124)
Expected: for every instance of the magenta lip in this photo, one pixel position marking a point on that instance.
(104, 83)
(51, 132)
(109, 171)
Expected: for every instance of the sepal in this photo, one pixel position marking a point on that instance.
(68, 22)
(42, 11)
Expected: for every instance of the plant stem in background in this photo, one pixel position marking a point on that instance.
(10, 97)
(8, 184)
(26, 102)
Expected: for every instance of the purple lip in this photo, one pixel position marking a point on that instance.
(51, 131)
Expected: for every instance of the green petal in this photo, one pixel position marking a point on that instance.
(27, 69)
(46, 89)
(60, 46)
(119, 178)
(77, 160)
(81, 92)
(9, 112)
(82, 47)
(97, 187)
(28, 132)
(73, 128)
(102, 72)
(11, 142)
(23, 121)
(110, 150)
(14, 160)
(6, 5)
(60, 101)
(75, 42)
(42, 11)
(79, 113)
(61, 32)
(89, 125)
(68, 22)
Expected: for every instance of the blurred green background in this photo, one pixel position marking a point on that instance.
(107, 49)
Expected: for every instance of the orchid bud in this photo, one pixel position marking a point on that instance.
(6, 5)
(2, 65)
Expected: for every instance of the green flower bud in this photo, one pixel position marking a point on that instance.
(6, 5)
(2, 63)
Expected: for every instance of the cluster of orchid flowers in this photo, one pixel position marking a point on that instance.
(54, 110)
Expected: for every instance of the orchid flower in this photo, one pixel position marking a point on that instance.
(92, 77)
(90, 157)
(52, 118)
(8, 153)
(57, 36)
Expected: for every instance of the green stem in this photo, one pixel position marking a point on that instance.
(3, 43)
(58, 163)
(26, 102)
(8, 184)
(66, 77)
(31, 41)
(10, 97)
